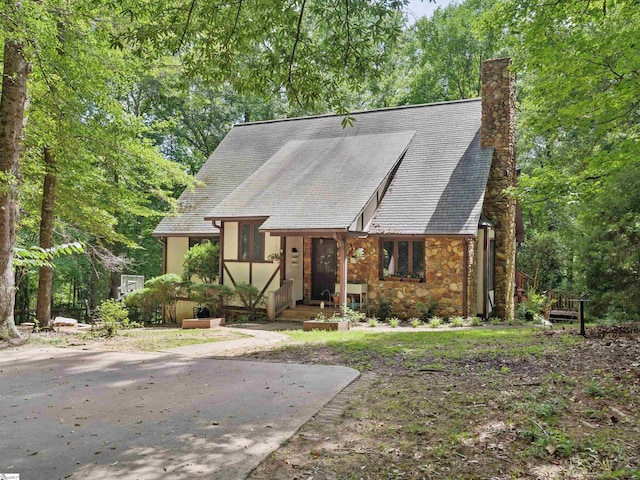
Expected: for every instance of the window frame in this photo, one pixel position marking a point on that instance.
(411, 271)
(254, 227)
(193, 241)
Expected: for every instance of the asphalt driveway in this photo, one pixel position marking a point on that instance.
(85, 415)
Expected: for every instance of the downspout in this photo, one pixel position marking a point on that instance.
(220, 252)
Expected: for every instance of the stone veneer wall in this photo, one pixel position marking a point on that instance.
(498, 131)
(444, 272)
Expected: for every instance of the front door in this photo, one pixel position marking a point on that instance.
(323, 268)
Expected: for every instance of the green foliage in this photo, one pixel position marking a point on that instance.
(113, 314)
(415, 322)
(373, 322)
(385, 310)
(144, 303)
(443, 54)
(535, 305)
(476, 322)
(166, 289)
(457, 321)
(435, 322)
(40, 257)
(394, 322)
(202, 260)
(354, 316)
(215, 297)
(250, 297)
(426, 312)
(309, 55)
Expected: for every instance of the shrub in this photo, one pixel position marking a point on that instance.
(112, 313)
(384, 309)
(457, 322)
(415, 322)
(250, 297)
(373, 322)
(353, 315)
(166, 289)
(426, 312)
(435, 322)
(203, 261)
(215, 297)
(143, 303)
(394, 322)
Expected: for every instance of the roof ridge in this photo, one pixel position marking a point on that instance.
(358, 112)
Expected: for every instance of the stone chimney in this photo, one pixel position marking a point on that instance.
(499, 131)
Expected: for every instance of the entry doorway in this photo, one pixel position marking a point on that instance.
(324, 266)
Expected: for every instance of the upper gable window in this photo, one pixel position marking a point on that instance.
(403, 258)
(251, 243)
(193, 241)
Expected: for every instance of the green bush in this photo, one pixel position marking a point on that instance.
(215, 297)
(394, 322)
(112, 314)
(203, 261)
(143, 303)
(166, 289)
(250, 297)
(426, 312)
(384, 309)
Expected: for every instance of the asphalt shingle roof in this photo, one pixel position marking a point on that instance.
(438, 187)
(316, 184)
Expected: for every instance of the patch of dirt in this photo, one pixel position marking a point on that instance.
(565, 408)
(131, 340)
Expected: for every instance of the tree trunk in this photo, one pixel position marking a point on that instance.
(12, 104)
(45, 278)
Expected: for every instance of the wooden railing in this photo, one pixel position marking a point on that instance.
(564, 300)
(280, 299)
(523, 283)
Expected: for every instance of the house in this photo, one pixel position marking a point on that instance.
(409, 204)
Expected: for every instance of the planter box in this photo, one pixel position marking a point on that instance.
(341, 326)
(202, 322)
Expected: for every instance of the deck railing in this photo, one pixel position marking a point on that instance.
(564, 300)
(280, 299)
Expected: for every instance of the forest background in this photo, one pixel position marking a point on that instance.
(126, 100)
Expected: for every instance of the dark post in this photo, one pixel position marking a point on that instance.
(582, 299)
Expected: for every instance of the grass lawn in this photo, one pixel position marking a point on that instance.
(136, 339)
(485, 403)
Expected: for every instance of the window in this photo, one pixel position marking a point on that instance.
(251, 242)
(403, 258)
(193, 241)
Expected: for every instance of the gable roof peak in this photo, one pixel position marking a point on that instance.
(357, 112)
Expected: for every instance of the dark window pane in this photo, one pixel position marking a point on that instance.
(245, 241)
(388, 263)
(418, 258)
(403, 258)
(258, 243)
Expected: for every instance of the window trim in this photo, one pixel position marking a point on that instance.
(395, 241)
(193, 241)
(252, 231)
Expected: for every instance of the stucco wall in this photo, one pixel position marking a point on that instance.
(177, 248)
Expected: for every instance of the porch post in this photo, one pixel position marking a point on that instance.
(343, 269)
